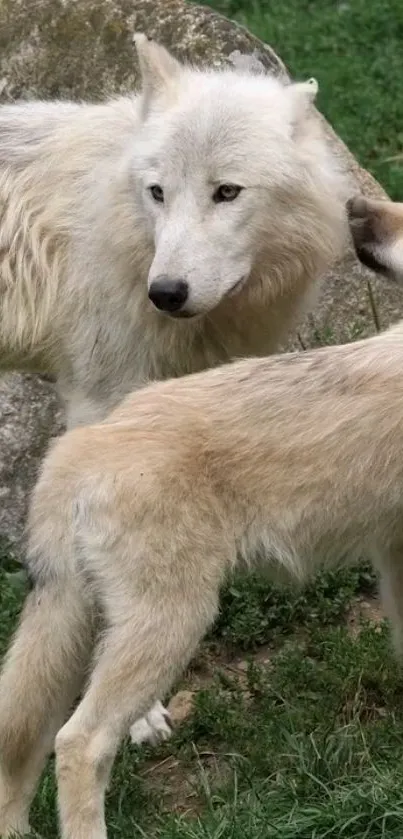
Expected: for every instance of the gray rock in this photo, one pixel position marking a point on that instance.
(84, 49)
(29, 415)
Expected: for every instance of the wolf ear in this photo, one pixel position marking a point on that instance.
(303, 96)
(159, 69)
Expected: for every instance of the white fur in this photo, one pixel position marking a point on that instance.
(81, 238)
(152, 728)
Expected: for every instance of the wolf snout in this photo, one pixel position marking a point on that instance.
(377, 232)
(167, 294)
(364, 227)
(357, 207)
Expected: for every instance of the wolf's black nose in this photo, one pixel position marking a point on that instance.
(168, 295)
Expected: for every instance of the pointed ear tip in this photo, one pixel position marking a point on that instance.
(309, 88)
(139, 39)
(313, 84)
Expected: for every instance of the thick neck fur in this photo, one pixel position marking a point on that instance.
(76, 248)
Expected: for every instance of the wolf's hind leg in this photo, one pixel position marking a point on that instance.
(41, 677)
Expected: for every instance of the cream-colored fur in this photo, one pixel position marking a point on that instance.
(297, 458)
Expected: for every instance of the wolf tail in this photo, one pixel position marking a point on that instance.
(43, 671)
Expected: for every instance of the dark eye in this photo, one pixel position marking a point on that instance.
(157, 193)
(226, 192)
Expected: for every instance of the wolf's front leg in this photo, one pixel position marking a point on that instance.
(155, 727)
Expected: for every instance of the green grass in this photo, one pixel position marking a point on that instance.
(253, 612)
(316, 753)
(297, 727)
(303, 741)
(354, 49)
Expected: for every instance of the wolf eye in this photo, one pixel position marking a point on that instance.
(226, 192)
(157, 193)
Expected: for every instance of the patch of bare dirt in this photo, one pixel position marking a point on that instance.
(364, 610)
(175, 785)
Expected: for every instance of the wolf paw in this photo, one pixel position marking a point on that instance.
(154, 728)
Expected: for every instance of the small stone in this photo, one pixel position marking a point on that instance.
(181, 705)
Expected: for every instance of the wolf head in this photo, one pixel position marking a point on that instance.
(377, 233)
(231, 183)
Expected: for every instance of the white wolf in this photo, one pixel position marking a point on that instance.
(159, 234)
(142, 515)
